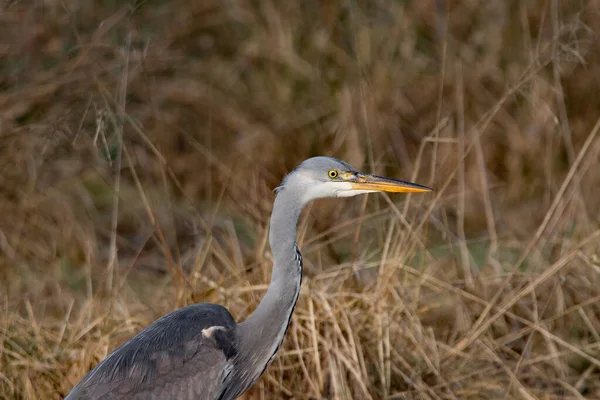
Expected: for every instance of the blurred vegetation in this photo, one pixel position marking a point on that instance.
(140, 143)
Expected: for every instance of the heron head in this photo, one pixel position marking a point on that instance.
(320, 177)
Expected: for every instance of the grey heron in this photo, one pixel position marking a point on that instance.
(199, 351)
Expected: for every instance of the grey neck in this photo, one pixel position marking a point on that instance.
(263, 331)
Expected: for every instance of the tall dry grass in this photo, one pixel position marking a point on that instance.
(140, 143)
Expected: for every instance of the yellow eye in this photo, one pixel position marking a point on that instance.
(332, 174)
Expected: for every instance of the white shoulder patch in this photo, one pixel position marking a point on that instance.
(208, 332)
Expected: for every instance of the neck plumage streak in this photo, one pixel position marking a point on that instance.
(298, 258)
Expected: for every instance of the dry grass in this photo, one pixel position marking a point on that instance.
(140, 144)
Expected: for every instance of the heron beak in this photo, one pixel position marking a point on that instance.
(381, 184)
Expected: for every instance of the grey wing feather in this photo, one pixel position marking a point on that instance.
(170, 359)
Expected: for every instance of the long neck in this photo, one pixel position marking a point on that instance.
(265, 328)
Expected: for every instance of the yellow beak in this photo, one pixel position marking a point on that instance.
(380, 184)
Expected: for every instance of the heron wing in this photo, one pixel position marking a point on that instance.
(183, 355)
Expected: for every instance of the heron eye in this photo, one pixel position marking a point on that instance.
(332, 174)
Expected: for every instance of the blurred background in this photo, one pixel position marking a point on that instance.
(140, 143)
